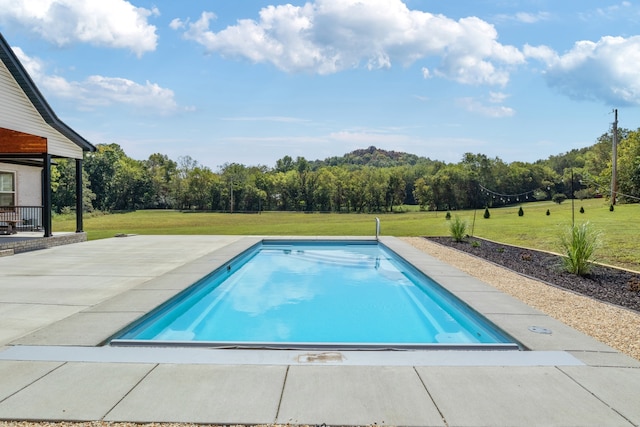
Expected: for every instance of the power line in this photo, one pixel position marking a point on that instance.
(607, 191)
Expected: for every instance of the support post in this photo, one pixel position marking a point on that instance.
(79, 201)
(46, 195)
(614, 160)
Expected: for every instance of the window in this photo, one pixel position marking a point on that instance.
(7, 189)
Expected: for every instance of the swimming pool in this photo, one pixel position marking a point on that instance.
(316, 294)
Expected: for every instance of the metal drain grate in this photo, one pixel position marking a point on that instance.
(540, 330)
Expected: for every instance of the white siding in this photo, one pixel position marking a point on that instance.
(28, 183)
(18, 113)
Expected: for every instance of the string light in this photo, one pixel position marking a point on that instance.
(506, 198)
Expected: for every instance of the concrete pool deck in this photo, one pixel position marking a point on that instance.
(57, 306)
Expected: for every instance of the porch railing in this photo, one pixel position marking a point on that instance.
(22, 218)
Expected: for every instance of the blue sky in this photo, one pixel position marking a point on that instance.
(252, 81)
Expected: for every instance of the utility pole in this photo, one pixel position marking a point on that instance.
(573, 207)
(614, 160)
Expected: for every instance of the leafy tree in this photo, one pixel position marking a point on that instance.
(63, 185)
(305, 184)
(629, 167)
(423, 194)
(355, 194)
(443, 187)
(341, 186)
(598, 156)
(375, 189)
(286, 190)
(264, 186)
(162, 172)
(367, 180)
(200, 183)
(325, 189)
(101, 167)
(284, 164)
(130, 186)
(234, 177)
(180, 185)
(396, 189)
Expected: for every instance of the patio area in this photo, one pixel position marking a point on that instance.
(60, 305)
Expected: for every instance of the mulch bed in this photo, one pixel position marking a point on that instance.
(612, 285)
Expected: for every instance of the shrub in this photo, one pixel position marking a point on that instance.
(586, 193)
(475, 244)
(558, 198)
(487, 214)
(580, 243)
(520, 212)
(458, 229)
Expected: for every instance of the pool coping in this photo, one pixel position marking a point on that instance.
(125, 338)
(57, 373)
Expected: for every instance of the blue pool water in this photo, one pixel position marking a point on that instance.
(316, 294)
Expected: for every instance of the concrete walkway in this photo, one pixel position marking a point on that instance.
(59, 306)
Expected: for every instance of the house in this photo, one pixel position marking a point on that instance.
(31, 138)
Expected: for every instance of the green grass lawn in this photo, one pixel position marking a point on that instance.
(620, 231)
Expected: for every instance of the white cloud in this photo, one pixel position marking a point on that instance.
(277, 119)
(524, 17)
(495, 111)
(110, 23)
(541, 53)
(497, 97)
(605, 70)
(176, 24)
(532, 18)
(328, 36)
(623, 10)
(97, 90)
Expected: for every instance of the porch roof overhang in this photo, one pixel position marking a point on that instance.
(10, 60)
(37, 163)
(13, 141)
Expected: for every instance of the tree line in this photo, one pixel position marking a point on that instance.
(367, 180)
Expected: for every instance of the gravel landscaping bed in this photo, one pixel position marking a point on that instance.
(611, 285)
(609, 323)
